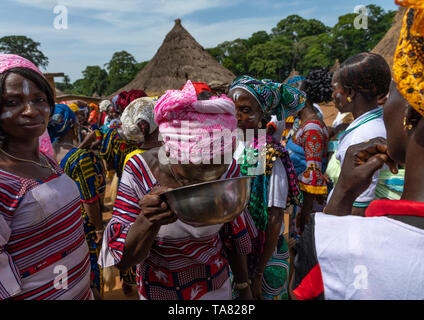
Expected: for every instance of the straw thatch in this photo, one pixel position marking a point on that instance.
(180, 58)
(387, 46)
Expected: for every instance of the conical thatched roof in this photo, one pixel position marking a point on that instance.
(180, 58)
(387, 46)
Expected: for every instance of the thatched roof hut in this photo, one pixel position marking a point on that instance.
(180, 58)
(387, 46)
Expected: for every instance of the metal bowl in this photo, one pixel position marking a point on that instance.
(209, 203)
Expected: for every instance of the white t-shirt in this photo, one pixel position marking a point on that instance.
(278, 186)
(361, 130)
(363, 258)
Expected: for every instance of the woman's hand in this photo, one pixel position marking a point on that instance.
(360, 164)
(155, 209)
(89, 139)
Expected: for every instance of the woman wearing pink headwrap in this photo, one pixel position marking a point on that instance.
(175, 260)
(43, 252)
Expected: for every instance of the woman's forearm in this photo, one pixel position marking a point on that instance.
(93, 210)
(273, 231)
(138, 242)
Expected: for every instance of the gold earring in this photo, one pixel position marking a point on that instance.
(406, 126)
(349, 99)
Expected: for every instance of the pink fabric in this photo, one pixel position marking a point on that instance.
(9, 61)
(191, 128)
(45, 144)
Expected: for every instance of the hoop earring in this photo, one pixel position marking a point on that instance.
(405, 125)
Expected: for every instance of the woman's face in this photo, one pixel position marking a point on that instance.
(393, 114)
(112, 114)
(248, 111)
(24, 109)
(339, 94)
(144, 127)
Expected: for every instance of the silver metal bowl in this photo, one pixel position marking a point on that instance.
(209, 203)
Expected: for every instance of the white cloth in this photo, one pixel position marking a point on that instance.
(339, 119)
(367, 258)
(369, 130)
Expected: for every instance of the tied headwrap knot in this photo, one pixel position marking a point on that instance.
(273, 98)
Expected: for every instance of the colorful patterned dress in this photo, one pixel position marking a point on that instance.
(114, 150)
(185, 262)
(88, 172)
(308, 151)
(43, 252)
(275, 278)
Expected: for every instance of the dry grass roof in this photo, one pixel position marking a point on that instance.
(179, 58)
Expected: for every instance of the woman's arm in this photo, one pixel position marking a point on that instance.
(272, 232)
(141, 235)
(93, 210)
(238, 265)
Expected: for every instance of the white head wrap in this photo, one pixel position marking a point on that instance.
(137, 110)
(280, 126)
(104, 105)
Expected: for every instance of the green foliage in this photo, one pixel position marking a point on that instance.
(24, 47)
(120, 70)
(302, 44)
(95, 81)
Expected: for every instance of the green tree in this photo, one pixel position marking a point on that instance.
(316, 53)
(271, 59)
(65, 86)
(24, 47)
(122, 69)
(95, 81)
(295, 28)
(348, 40)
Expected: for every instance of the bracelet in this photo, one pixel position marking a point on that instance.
(242, 285)
(100, 231)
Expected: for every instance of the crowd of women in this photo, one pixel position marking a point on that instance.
(352, 193)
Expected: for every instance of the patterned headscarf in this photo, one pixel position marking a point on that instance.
(273, 98)
(190, 128)
(9, 61)
(63, 119)
(408, 67)
(74, 107)
(139, 109)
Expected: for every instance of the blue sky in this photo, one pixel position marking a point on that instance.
(98, 28)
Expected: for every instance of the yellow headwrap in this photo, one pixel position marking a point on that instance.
(73, 107)
(408, 67)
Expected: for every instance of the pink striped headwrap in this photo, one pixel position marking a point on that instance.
(192, 129)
